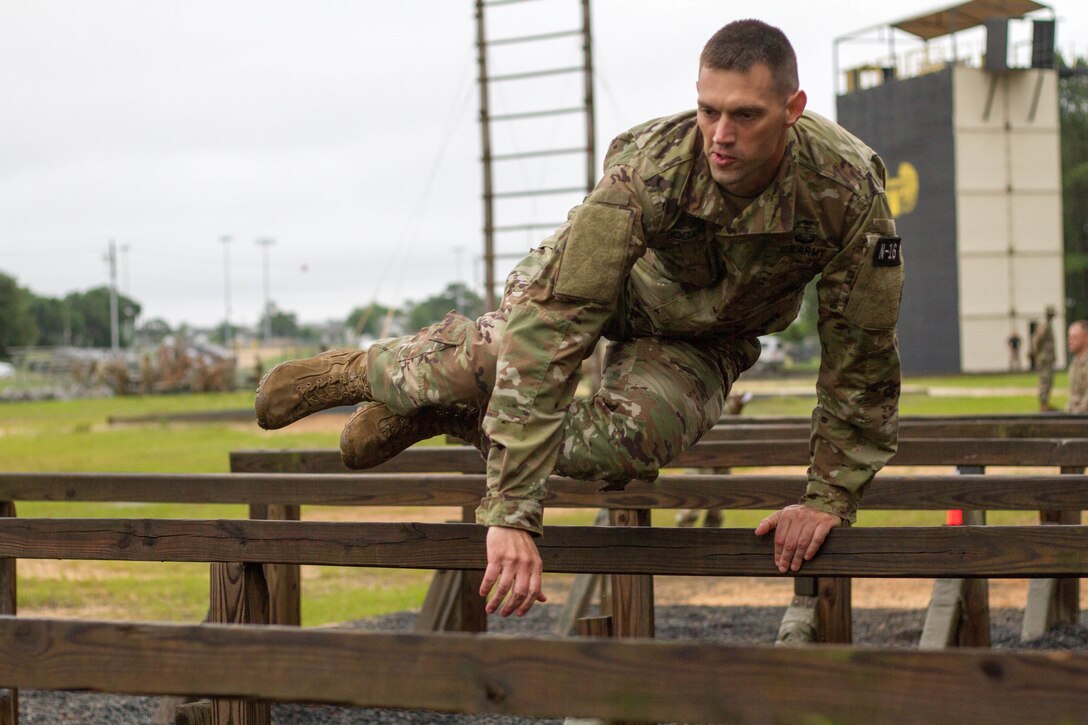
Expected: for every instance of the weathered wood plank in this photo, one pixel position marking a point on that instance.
(427, 459)
(632, 595)
(911, 452)
(929, 552)
(9, 697)
(994, 418)
(239, 595)
(741, 491)
(283, 580)
(713, 454)
(834, 615)
(632, 679)
(961, 428)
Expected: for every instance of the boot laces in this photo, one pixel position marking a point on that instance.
(334, 388)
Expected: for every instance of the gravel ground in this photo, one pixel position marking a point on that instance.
(738, 625)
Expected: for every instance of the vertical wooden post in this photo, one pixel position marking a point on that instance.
(283, 580)
(453, 602)
(632, 594)
(974, 627)
(1067, 589)
(9, 696)
(239, 595)
(834, 610)
(473, 614)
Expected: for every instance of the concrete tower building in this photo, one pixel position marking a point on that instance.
(971, 141)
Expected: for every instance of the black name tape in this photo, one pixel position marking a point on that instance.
(886, 253)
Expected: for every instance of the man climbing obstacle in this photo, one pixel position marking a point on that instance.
(700, 236)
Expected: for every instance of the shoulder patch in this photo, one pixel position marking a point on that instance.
(886, 252)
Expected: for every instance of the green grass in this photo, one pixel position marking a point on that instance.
(75, 436)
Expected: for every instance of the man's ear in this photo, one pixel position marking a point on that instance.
(795, 106)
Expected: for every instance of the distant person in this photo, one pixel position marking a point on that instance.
(1078, 367)
(1014, 352)
(1042, 349)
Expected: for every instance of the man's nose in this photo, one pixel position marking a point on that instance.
(724, 132)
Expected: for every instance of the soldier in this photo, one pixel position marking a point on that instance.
(1042, 349)
(699, 237)
(1078, 367)
(1014, 351)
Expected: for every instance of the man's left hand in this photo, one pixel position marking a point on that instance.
(799, 533)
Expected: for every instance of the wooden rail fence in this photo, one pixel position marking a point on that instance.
(254, 561)
(461, 674)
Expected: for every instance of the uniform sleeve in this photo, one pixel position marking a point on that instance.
(1078, 386)
(856, 420)
(554, 323)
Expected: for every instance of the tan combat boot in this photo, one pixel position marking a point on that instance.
(374, 433)
(296, 388)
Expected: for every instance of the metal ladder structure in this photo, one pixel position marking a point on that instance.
(501, 66)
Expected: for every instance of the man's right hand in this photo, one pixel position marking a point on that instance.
(514, 563)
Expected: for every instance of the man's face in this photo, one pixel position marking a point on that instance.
(1078, 339)
(744, 120)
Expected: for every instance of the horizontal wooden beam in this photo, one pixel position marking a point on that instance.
(906, 420)
(1053, 427)
(923, 552)
(989, 491)
(713, 454)
(611, 679)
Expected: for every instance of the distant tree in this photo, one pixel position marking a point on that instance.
(90, 317)
(367, 320)
(225, 332)
(17, 326)
(282, 324)
(310, 334)
(1073, 109)
(53, 320)
(456, 296)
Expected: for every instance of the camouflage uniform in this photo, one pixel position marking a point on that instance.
(1078, 384)
(1042, 346)
(662, 263)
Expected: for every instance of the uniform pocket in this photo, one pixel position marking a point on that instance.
(878, 288)
(594, 256)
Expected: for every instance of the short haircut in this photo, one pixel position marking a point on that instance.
(745, 43)
(1082, 324)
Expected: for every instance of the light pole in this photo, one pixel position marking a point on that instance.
(228, 331)
(125, 288)
(264, 243)
(115, 339)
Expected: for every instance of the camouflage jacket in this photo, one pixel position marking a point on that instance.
(1078, 384)
(668, 259)
(1042, 344)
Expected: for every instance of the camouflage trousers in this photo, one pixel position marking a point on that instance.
(1046, 380)
(656, 394)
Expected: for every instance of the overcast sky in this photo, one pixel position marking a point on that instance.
(346, 131)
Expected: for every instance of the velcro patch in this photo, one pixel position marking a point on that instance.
(886, 252)
(593, 265)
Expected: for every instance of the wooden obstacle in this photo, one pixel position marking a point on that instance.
(256, 664)
(277, 496)
(612, 679)
(827, 603)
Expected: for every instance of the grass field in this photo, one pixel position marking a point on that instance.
(76, 436)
